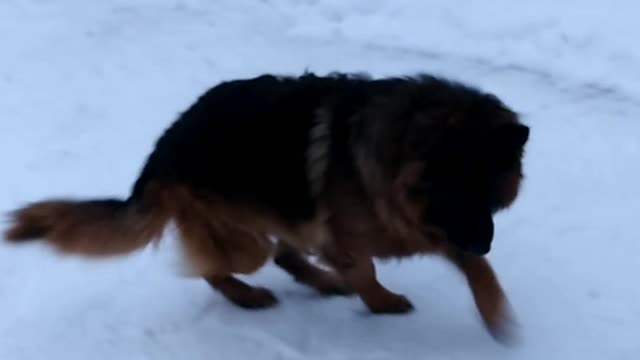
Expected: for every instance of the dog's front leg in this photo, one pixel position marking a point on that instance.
(488, 295)
(359, 274)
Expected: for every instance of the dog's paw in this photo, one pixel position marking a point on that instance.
(332, 286)
(257, 298)
(503, 326)
(391, 304)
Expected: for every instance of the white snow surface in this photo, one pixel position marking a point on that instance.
(87, 86)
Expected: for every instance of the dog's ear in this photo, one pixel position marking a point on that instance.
(511, 137)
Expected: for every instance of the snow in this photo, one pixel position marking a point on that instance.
(87, 86)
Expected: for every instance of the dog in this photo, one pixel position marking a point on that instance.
(344, 166)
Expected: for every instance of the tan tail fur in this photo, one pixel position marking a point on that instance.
(95, 228)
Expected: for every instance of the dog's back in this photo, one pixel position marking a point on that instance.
(247, 140)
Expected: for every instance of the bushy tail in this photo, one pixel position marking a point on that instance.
(94, 228)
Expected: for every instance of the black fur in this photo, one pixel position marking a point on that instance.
(247, 139)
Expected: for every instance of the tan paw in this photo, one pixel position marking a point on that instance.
(503, 326)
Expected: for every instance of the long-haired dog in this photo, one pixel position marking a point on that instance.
(343, 166)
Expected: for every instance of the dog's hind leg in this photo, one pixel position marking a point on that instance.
(219, 274)
(217, 259)
(293, 262)
(245, 255)
(237, 253)
(359, 274)
(488, 295)
(216, 247)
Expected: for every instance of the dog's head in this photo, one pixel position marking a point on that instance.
(472, 168)
(468, 146)
(468, 178)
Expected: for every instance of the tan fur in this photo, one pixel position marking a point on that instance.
(218, 238)
(80, 228)
(384, 227)
(488, 295)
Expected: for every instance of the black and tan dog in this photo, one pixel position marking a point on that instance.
(343, 166)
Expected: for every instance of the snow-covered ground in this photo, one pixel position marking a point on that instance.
(86, 86)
